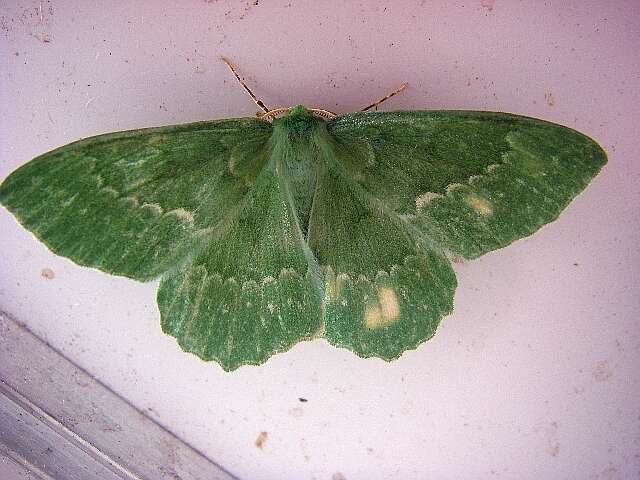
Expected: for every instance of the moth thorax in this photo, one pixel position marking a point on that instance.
(297, 137)
(300, 173)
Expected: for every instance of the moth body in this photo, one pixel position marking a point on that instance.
(298, 144)
(264, 234)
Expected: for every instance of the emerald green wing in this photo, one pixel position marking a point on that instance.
(137, 203)
(199, 205)
(253, 291)
(469, 182)
(260, 247)
(384, 292)
(403, 190)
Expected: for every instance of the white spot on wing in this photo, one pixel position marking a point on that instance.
(425, 198)
(479, 204)
(452, 186)
(182, 214)
(154, 207)
(385, 312)
(133, 201)
(372, 317)
(110, 190)
(388, 303)
(330, 288)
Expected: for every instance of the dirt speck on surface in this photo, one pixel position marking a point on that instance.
(262, 438)
(488, 4)
(47, 273)
(549, 99)
(42, 37)
(610, 473)
(296, 412)
(338, 476)
(551, 434)
(602, 372)
(35, 20)
(237, 11)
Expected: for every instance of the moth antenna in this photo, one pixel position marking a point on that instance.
(386, 97)
(248, 90)
(273, 113)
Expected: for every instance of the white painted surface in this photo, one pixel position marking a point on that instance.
(534, 375)
(59, 422)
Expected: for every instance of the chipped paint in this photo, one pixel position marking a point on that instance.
(47, 273)
(262, 438)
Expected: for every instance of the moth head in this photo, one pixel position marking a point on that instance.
(297, 112)
(299, 120)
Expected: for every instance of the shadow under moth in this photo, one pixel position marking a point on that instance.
(302, 224)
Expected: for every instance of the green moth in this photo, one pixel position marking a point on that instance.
(299, 225)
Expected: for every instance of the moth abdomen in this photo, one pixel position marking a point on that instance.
(297, 146)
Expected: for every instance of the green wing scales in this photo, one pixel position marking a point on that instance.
(198, 204)
(136, 203)
(420, 186)
(264, 235)
(470, 182)
(253, 290)
(384, 292)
